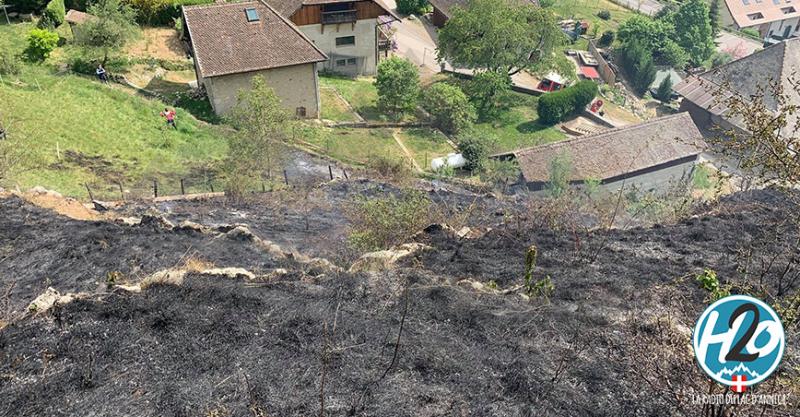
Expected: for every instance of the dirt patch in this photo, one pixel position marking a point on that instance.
(159, 43)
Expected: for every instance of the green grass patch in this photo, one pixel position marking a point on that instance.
(588, 9)
(701, 177)
(359, 92)
(518, 127)
(80, 131)
(355, 146)
(333, 107)
(425, 144)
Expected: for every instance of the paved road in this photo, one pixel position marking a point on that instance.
(737, 46)
(648, 7)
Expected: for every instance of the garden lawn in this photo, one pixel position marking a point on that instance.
(425, 144)
(81, 132)
(354, 146)
(518, 127)
(588, 9)
(333, 107)
(359, 92)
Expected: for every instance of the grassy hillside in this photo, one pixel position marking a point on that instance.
(79, 131)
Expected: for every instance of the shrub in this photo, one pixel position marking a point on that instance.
(606, 39)
(398, 86)
(9, 64)
(557, 106)
(53, 15)
(560, 171)
(449, 107)
(664, 92)
(412, 6)
(396, 169)
(475, 151)
(753, 33)
(380, 223)
(82, 64)
(720, 58)
(604, 14)
(41, 42)
(488, 91)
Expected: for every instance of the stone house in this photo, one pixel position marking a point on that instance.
(233, 42)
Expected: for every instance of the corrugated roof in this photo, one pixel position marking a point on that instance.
(616, 152)
(224, 42)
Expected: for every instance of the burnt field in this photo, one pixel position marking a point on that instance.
(445, 333)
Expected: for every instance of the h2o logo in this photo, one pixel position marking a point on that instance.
(739, 341)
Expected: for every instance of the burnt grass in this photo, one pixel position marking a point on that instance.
(410, 342)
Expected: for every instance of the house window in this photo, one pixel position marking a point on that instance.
(351, 61)
(252, 15)
(341, 62)
(787, 10)
(346, 40)
(300, 112)
(755, 16)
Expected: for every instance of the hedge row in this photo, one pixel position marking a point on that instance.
(557, 106)
(168, 11)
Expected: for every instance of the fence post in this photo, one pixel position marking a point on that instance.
(155, 189)
(330, 171)
(91, 197)
(183, 190)
(211, 184)
(345, 174)
(263, 187)
(285, 177)
(121, 192)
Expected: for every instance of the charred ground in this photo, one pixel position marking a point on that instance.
(428, 338)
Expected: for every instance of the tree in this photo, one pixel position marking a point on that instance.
(257, 148)
(500, 36)
(693, 30)
(488, 91)
(475, 151)
(113, 26)
(714, 17)
(398, 86)
(449, 107)
(638, 64)
(41, 42)
(412, 6)
(53, 15)
(664, 92)
(607, 38)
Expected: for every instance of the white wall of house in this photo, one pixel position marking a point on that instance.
(297, 86)
(779, 27)
(364, 49)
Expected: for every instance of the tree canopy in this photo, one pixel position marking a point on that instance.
(113, 26)
(500, 36)
(398, 85)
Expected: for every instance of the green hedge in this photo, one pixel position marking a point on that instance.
(53, 15)
(557, 106)
(171, 10)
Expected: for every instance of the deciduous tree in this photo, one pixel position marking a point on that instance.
(398, 86)
(500, 36)
(111, 28)
(449, 107)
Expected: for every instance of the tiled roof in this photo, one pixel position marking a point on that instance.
(616, 152)
(224, 42)
(288, 7)
(748, 77)
(748, 13)
(445, 6)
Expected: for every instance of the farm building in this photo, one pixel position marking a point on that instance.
(651, 156)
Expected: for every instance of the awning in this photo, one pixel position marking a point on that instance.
(589, 72)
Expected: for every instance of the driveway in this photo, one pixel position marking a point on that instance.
(737, 46)
(648, 7)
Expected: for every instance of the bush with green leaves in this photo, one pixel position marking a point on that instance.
(606, 39)
(475, 151)
(397, 83)
(604, 14)
(412, 6)
(638, 64)
(41, 42)
(558, 106)
(53, 15)
(449, 107)
(664, 92)
(753, 33)
(10, 64)
(720, 58)
(560, 172)
(381, 222)
(488, 91)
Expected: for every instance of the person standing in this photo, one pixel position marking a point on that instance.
(170, 116)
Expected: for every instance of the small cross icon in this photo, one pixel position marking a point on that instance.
(739, 387)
